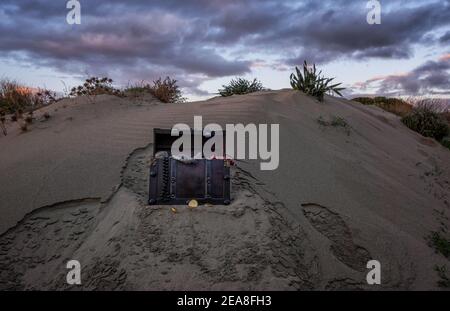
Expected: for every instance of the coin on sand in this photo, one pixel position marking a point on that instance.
(193, 204)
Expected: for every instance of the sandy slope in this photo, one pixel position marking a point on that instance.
(77, 186)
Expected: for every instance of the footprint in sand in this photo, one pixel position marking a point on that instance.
(332, 226)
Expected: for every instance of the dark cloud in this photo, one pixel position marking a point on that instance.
(347, 35)
(432, 77)
(445, 38)
(196, 40)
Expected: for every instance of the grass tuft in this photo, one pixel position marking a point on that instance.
(440, 243)
(426, 119)
(444, 280)
(16, 98)
(335, 121)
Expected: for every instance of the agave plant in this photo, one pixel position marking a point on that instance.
(241, 86)
(312, 83)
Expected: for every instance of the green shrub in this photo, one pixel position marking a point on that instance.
(241, 86)
(312, 83)
(427, 120)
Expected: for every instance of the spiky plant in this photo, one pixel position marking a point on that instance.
(312, 83)
(241, 86)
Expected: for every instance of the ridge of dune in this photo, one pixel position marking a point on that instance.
(338, 199)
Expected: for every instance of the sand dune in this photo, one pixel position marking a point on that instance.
(74, 187)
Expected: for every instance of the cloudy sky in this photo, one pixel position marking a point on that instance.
(205, 43)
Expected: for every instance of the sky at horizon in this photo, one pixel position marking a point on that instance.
(205, 43)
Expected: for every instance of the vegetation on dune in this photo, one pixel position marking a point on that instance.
(444, 280)
(446, 142)
(335, 121)
(426, 116)
(312, 83)
(136, 89)
(396, 106)
(240, 86)
(167, 91)
(440, 243)
(426, 119)
(95, 86)
(16, 99)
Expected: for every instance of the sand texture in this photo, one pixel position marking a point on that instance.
(75, 187)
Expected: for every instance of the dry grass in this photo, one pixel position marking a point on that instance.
(396, 106)
(426, 119)
(16, 98)
(137, 89)
(167, 91)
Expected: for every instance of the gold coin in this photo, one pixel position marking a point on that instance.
(174, 210)
(193, 204)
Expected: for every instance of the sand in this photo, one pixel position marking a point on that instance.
(75, 187)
